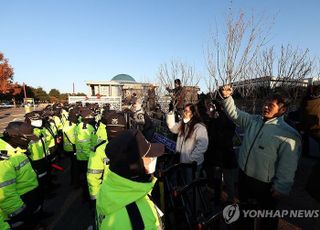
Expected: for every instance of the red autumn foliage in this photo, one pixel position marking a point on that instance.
(6, 77)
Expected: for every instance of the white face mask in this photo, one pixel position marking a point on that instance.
(36, 123)
(150, 164)
(186, 120)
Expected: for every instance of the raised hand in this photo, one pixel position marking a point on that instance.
(226, 91)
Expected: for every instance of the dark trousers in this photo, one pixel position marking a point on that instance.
(83, 168)
(74, 171)
(42, 167)
(29, 216)
(214, 175)
(252, 189)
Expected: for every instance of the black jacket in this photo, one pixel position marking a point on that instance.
(220, 150)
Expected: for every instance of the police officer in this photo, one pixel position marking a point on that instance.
(50, 133)
(85, 142)
(37, 150)
(69, 140)
(111, 124)
(19, 196)
(123, 202)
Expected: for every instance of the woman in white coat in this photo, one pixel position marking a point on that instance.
(192, 141)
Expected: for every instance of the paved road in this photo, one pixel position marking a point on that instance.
(7, 115)
(70, 212)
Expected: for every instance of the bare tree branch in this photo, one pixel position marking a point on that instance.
(288, 70)
(177, 70)
(233, 61)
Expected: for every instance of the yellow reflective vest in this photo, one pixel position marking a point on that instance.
(115, 193)
(96, 168)
(16, 178)
(69, 136)
(38, 150)
(85, 141)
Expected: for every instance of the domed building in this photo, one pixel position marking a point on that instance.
(123, 78)
(122, 85)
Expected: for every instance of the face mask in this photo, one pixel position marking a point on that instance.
(186, 120)
(36, 123)
(150, 164)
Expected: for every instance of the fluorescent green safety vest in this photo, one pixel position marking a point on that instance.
(38, 150)
(16, 178)
(101, 133)
(64, 117)
(50, 134)
(58, 122)
(115, 193)
(69, 136)
(10, 201)
(96, 167)
(86, 141)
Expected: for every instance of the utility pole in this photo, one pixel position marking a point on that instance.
(24, 90)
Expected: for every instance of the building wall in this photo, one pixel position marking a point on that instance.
(126, 90)
(105, 90)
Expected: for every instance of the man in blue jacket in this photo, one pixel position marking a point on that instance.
(268, 156)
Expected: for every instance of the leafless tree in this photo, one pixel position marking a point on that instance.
(189, 78)
(231, 59)
(316, 70)
(210, 84)
(287, 71)
(176, 70)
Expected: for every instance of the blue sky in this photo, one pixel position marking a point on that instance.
(55, 43)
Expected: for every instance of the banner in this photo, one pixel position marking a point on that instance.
(169, 144)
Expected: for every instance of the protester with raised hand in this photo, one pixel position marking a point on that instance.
(192, 141)
(268, 156)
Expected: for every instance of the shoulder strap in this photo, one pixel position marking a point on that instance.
(55, 125)
(49, 129)
(98, 145)
(43, 147)
(73, 145)
(67, 136)
(135, 216)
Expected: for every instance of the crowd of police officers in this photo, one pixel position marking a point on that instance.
(30, 147)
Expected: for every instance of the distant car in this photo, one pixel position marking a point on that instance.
(6, 105)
